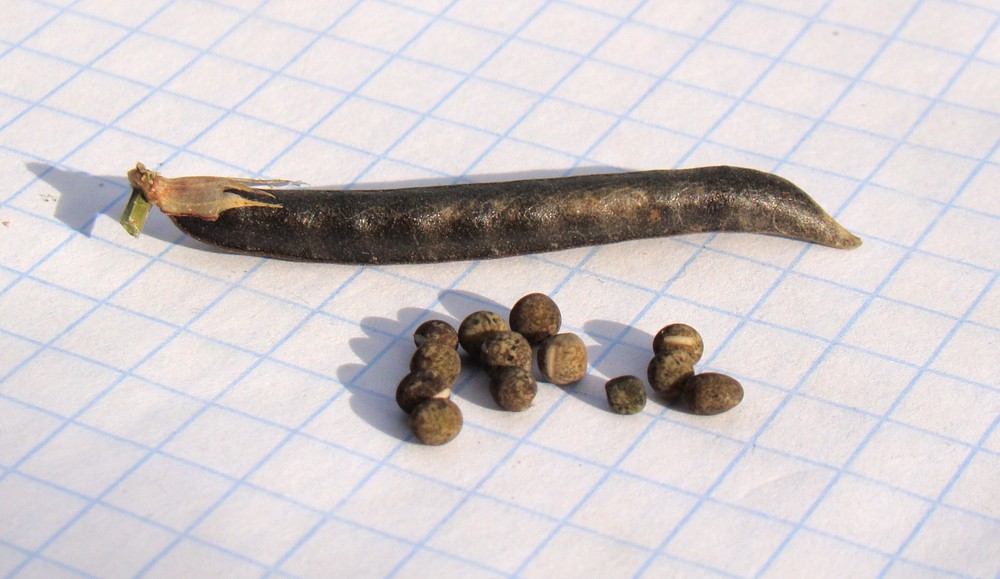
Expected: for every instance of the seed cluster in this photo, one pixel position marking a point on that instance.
(506, 353)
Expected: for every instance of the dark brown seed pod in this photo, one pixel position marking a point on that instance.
(505, 350)
(562, 359)
(513, 389)
(417, 387)
(679, 337)
(438, 357)
(436, 421)
(626, 394)
(477, 220)
(536, 317)
(438, 331)
(667, 373)
(711, 393)
(476, 327)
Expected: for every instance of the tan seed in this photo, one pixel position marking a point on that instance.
(438, 331)
(476, 327)
(562, 359)
(513, 389)
(436, 421)
(438, 357)
(679, 337)
(536, 317)
(416, 387)
(505, 350)
(626, 394)
(711, 393)
(667, 372)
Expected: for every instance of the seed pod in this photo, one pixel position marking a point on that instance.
(536, 317)
(513, 389)
(436, 421)
(436, 331)
(476, 327)
(626, 394)
(437, 357)
(667, 373)
(562, 359)
(505, 350)
(416, 387)
(679, 337)
(711, 393)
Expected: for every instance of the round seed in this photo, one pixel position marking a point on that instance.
(667, 373)
(626, 394)
(536, 317)
(712, 393)
(505, 350)
(436, 421)
(416, 387)
(513, 389)
(438, 331)
(680, 337)
(437, 357)
(562, 359)
(477, 327)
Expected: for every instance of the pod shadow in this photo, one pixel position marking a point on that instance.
(82, 197)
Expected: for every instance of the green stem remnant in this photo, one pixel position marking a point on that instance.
(479, 220)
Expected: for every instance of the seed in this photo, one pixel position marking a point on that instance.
(505, 350)
(626, 394)
(562, 359)
(475, 328)
(436, 421)
(436, 331)
(667, 372)
(536, 317)
(513, 388)
(680, 337)
(416, 387)
(437, 357)
(711, 393)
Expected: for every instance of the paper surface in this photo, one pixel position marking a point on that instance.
(170, 410)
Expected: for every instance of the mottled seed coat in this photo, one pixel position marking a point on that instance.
(667, 373)
(436, 421)
(626, 394)
(513, 389)
(416, 387)
(476, 327)
(562, 359)
(505, 350)
(679, 337)
(711, 393)
(436, 331)
(536, 317)
(437, 357)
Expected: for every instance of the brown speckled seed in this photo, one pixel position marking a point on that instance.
(626, 394)
(436, 421)
(438, 331)
(536, 317)
(416, 387)
(680, 337)
(477, 327)
(562, 359)
(513, 389)
(505, 350)
(712, 393)
(437, 357)
(667, 372)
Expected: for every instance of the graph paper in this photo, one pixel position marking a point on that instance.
(171, 410)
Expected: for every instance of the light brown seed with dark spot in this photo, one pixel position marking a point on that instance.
(416, 387)
(437, 357)
(436, 421)
(476, 327)
(562, 359)
(505, 350)
(667, 372)
(536, 317)
(438, 331)
(513, 389)
(679, 337)
(711, 393)
(626, 394)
